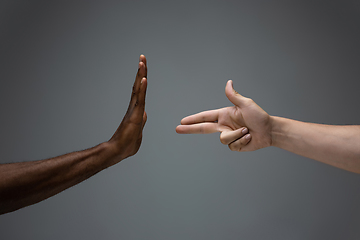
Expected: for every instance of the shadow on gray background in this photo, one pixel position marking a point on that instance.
(66, 74)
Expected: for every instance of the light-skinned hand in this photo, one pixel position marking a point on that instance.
(243, 127)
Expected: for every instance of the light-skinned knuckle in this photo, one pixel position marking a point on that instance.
(201, 129)
(231, 147)
(235, 143)
(243, 141)
(222, 139)
(247, 101)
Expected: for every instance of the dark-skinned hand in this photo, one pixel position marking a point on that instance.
(127, 138)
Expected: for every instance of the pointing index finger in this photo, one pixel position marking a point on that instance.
(206, 116)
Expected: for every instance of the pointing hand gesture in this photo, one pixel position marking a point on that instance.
(244, 126)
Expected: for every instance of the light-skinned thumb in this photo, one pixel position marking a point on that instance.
(234, 96)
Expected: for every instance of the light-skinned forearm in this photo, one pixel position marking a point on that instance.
(338, 146)
(26, 183)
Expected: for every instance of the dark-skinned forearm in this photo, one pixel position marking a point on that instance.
(26, 183)
(23, 184)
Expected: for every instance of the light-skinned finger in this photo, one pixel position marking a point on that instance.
(240, 143)
(206, 116)
(199, 128)
(234, 97)
(227, 137)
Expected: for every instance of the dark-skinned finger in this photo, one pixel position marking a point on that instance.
(142, 58)
(139, 107)
(141, 73)
(240, 143)
(142, 92)
(136, 86)
(144, 120)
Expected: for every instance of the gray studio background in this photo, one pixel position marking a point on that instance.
(67, 68)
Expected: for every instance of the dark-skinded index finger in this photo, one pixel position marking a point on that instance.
(142, 59)
(199, 128)
(206, 116)
(139, 107)
(137, 103)
(141, 73)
